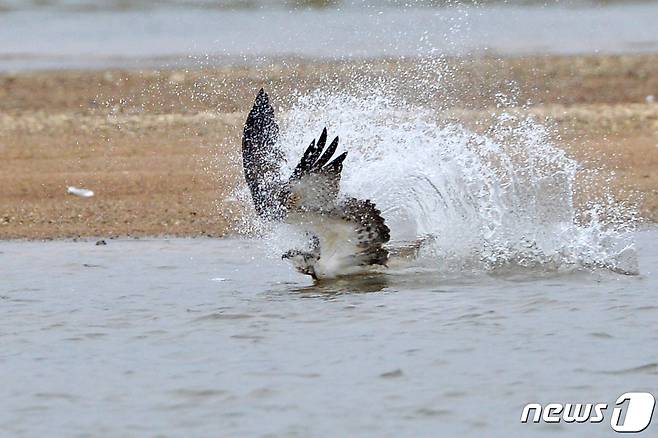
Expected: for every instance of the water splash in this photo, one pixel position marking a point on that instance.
(491, 200)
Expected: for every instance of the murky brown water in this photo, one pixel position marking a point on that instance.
(213, 337)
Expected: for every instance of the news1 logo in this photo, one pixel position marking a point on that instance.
(632, 413)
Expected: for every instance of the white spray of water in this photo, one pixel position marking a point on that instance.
(501, 199)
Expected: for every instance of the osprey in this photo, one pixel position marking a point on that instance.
(346, 235)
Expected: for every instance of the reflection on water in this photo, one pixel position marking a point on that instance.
(374, 282)
(217, 337)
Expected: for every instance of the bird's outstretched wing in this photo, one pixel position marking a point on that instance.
(262, 157)
(315, 182)
(351, 232)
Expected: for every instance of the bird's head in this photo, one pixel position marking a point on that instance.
(303, 262)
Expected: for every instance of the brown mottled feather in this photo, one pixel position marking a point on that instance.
(372, 231)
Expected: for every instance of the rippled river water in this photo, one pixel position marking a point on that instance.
(54, 34)
(213, 337)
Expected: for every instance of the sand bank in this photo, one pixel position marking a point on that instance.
(161, 148)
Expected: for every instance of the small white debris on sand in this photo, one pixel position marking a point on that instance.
(650, 99)
(83, 193)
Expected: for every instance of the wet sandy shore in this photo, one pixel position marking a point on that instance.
(161, 148)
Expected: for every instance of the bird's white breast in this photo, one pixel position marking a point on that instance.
(338, 243)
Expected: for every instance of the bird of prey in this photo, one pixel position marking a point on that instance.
(346, 235)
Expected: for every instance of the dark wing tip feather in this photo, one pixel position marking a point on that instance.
(310, 150)
(306, 163)
(260, 130)
(323, 139)
(261, 116)
(261, 103)
(314, 159)
(336, 166)
(328, 153)
(314, 154)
